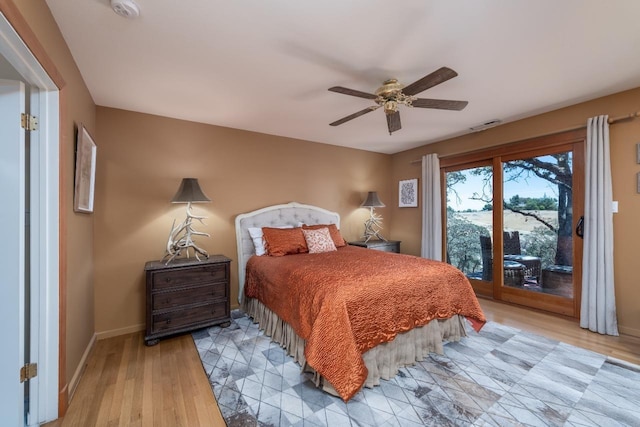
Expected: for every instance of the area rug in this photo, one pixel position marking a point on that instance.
(499, 377)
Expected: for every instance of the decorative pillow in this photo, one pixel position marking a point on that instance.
(319, 240)
(284, 241)
(258, 241)
(337, 238)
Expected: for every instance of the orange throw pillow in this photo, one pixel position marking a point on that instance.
(284, 241)
(337, 238)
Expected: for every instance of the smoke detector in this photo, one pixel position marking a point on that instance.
(126, 8)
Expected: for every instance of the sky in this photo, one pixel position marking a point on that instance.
(533, 187)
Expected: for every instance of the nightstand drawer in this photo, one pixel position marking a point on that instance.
(379, 245)
(162, 300)
(387, 248)
(189, 316)
(183, 277)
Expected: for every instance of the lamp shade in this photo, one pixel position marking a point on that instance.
(372, 201)
(190, 192)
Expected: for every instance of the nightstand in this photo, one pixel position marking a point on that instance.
(186, 294)
(379, 245)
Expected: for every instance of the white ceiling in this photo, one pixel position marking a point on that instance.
(265, 66)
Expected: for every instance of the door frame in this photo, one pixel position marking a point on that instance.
(45, 215)
(575, 139)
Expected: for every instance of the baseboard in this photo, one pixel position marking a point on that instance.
(75, 380)
(629, 331)
(121, 331)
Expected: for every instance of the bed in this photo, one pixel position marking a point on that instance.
(348, 315)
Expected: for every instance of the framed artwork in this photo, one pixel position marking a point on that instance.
(408, 193)
(85, 172)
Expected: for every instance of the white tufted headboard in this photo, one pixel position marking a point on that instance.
(273, 216)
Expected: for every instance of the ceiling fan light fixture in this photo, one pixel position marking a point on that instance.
(390, 107)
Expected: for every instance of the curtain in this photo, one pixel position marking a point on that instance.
(598, 307)
(431, 208)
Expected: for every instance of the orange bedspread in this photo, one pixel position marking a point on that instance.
(345, 302)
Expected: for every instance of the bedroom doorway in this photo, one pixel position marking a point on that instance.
(29, 185)
(511, 217)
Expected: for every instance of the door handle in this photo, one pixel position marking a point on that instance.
(580, 228)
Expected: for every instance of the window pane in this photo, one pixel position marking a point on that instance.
(537, 219)
(469, 216)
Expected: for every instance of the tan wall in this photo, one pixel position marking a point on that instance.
(406, 223)
(77, 107)
(141, 161)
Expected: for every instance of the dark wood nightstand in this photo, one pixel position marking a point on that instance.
(185, 295)
(379, 245)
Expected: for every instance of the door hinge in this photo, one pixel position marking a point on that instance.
(28, 122)
(28, 371)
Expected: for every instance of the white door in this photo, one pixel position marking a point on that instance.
(43, 148)
(12, 251)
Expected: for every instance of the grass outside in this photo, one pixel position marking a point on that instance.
(512, 221)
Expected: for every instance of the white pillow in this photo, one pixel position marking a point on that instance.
(257, 237)
(258, 243)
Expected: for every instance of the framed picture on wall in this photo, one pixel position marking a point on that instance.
(85, 172)
(408, 193)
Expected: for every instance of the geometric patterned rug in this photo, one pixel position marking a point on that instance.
(499, 377)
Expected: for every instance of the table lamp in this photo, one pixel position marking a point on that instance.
(373, 224)
(181, 236)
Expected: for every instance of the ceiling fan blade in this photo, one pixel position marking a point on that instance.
(435, 78)
(393, 122)
(352, 92)
(440, 104)
(354, 115)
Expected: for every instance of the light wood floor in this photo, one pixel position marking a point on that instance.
(129, 384)
(624, 347)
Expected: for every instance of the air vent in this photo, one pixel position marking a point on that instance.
(126, 8)
(486, 125)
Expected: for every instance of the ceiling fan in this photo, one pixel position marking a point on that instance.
(391, 94)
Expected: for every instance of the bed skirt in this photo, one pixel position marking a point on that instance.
(382, 361)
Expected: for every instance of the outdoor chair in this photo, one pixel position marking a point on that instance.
(513, 252)
(516, 267)
(511, 243)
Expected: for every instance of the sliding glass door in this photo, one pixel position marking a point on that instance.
(538, 237)
(511, 219)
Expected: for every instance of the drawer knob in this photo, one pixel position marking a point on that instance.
(167, 280)
(168, 321)
(168, 301)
